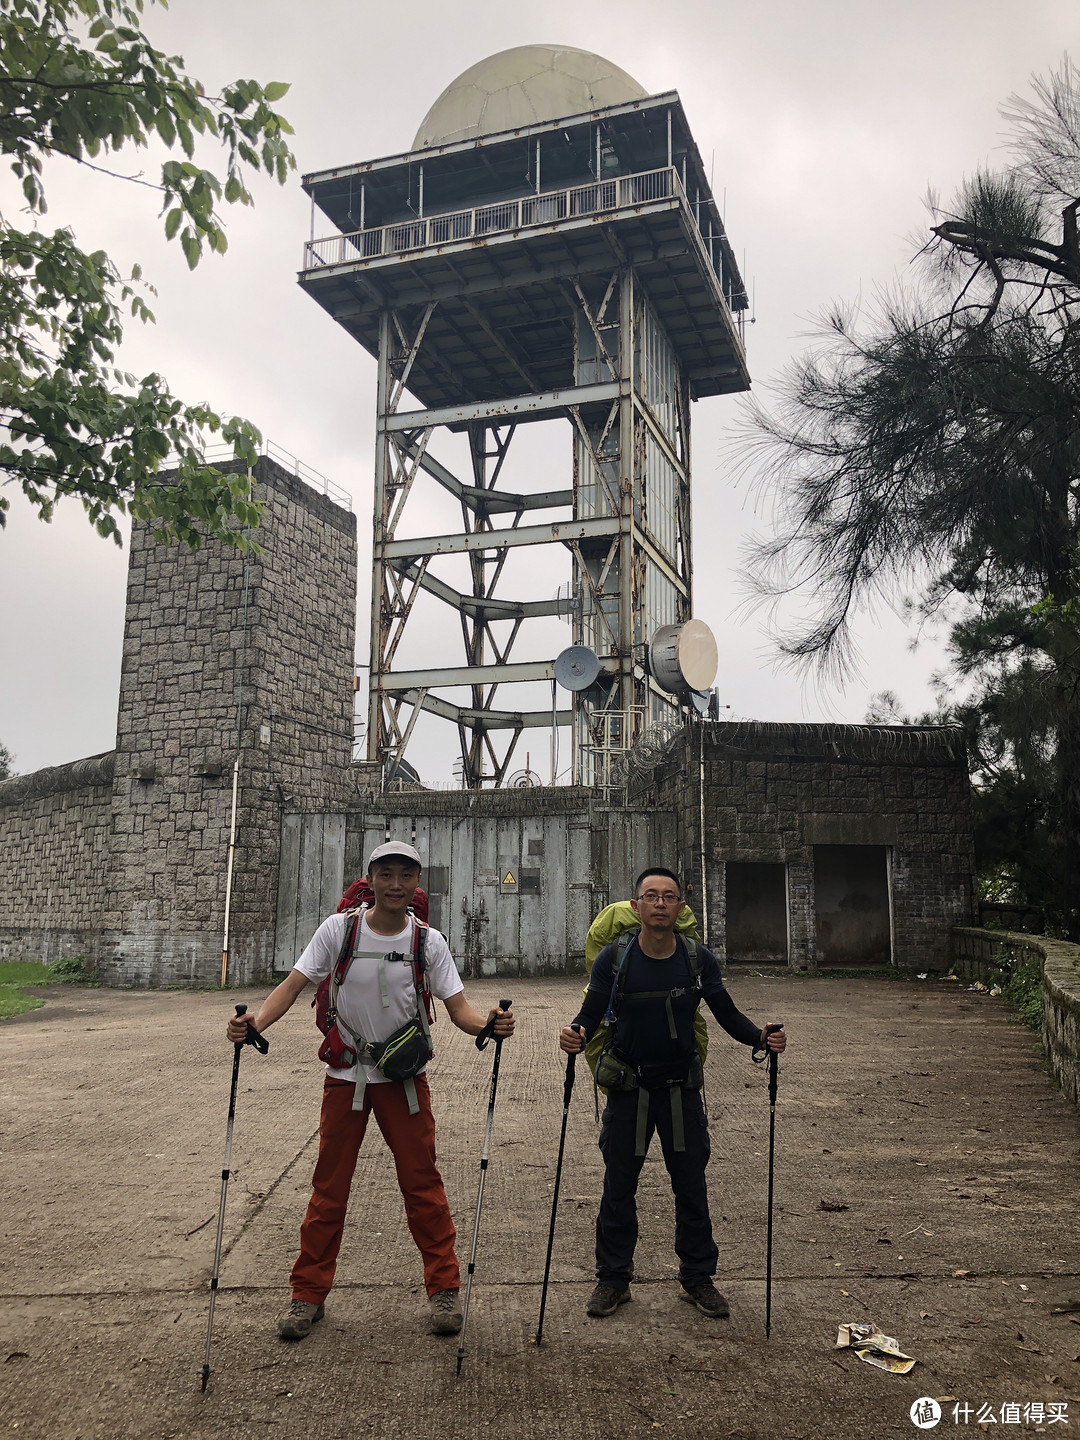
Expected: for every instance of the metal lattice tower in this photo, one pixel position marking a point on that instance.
(549, 248)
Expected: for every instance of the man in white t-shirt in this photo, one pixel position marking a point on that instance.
(377, 997)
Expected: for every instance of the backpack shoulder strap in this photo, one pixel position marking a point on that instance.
(618, 982)
(693, 954)
(425, 1004)
(420, 933)
(345, 958)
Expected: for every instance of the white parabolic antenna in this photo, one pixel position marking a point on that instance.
(576, 667)
(683, 658)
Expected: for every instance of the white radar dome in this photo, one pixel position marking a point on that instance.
(524, 86)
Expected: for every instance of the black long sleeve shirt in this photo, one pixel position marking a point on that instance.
(642, 1033)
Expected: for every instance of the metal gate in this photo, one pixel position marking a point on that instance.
(515, 894)
(310, 880)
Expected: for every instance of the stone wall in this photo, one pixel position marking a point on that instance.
(226, 657)
(229, 660)
(54, 857)
(989, 955)
(773, 792)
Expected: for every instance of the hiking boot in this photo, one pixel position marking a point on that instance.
(299, 1320)
(704, 1294)
(445, 1312)
(606, 1299)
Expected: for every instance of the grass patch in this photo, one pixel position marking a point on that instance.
(24, 972)
(14, 974)
(1023, 990)
(15, 1002)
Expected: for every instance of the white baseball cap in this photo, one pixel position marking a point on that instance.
(394, 850)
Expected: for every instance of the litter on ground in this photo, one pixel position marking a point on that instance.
(875, 1348)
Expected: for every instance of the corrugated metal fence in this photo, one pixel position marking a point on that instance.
(513, 893)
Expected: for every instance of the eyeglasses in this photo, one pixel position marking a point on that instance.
(654, 897)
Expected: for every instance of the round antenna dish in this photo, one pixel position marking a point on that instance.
(576, 667)
(524, 780)
(683, 658)
(699, 699)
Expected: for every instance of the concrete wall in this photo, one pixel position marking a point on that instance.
(990, 954)
(54, 858)
(775, 792)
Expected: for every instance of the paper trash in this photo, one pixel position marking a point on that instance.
(875, 1348)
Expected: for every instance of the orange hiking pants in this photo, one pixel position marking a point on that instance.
(411, 1139)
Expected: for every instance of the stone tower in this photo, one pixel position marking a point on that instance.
(227, 658)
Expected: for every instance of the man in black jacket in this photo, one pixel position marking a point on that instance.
(655, 1087)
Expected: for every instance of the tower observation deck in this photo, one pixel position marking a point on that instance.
(549, 248)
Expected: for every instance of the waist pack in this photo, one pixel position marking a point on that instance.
(400, 1057)
(404, 1053)
(612, 1072)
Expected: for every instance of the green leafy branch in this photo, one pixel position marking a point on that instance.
(79, 79)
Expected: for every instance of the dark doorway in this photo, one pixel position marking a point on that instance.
(757, 928)
(851, 887)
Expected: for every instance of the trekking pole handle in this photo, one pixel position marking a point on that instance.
(489, 1029)
(252, 1037)
(568, 1083)
(774, 1060)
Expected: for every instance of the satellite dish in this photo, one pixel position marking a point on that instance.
(699, 699)
(524, 780)
(683, 658)
(576, 667)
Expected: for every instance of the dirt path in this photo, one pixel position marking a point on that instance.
(919, 1107)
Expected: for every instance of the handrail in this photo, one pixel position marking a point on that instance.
(216, 454)
(598, 197)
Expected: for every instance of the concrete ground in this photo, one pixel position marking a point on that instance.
(917, 1106)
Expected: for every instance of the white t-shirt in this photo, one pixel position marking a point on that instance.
(360, 999)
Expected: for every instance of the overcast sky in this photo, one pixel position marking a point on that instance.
(829, 121)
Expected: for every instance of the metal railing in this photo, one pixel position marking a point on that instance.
(624, 192)
(217, 454)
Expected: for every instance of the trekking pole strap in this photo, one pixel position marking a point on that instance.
(761, 1051)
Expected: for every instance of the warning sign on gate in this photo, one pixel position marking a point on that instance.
(509, 882)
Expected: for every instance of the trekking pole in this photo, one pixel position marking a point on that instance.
(262, 1045)
(481, 1044)
(568, 1090)
(774, 1067)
